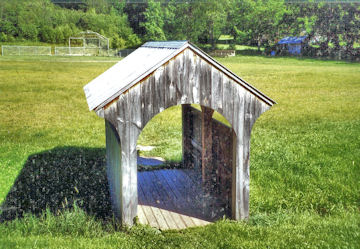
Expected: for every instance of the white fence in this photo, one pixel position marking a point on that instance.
(84, 51)
(25, 50)
(62, 51)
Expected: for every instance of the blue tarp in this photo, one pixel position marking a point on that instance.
(292, 40)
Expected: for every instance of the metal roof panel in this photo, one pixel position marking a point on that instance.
(165, 44)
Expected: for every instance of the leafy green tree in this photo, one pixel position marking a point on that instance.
(335, 27)
(154, 22)
(196, 21)
(258, 20)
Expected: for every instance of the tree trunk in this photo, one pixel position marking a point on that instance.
(259, 43)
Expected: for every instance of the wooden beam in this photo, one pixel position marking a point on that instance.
(206, 142)
(186, 136)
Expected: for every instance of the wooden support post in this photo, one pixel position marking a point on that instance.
(247, 114)
(186, 136)
(113, 167)
(240, 177)
(206, 141)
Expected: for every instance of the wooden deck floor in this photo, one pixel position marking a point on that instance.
(174, 199)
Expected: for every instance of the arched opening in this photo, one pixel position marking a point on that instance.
(184, 168)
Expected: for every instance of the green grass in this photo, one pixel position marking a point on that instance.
(305, 163)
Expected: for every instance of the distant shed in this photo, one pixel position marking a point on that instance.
(159, 75)
(292, 44)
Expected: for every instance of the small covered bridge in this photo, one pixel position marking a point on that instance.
(159, 75)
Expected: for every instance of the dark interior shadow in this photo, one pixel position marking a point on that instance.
(58, 178)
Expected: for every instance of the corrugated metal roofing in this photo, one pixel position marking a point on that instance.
(165, 44)
(139, 64)
(292, 40)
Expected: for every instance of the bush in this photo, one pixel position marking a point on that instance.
(47, 34)
(117, 42)
(3, 37)
(29, 31)
(133, 41)
(59, 34)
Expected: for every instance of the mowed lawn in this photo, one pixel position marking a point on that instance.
(305, 155)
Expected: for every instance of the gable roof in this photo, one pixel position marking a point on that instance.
(142, 62)
(292, 40)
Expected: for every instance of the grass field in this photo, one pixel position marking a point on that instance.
(305, 155)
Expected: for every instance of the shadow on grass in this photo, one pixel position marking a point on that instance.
(58, 178)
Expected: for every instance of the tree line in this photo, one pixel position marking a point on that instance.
(331, 27)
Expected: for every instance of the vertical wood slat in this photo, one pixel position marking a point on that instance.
(196, 80)
(159, 102)
(205, 83)
(227, 105)
(181, 72)
(189, 72)
(170, 88)
(216, 91)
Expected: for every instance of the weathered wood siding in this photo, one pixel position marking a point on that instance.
(185, 79)
(222, 148)
(192, 144)
(208, 147)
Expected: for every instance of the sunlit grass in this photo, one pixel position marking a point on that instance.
(305, 163)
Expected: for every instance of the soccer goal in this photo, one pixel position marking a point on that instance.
(86, 43)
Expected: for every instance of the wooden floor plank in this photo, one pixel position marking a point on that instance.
(151, 192)
(173, 195)
(167, 201)
(159, 218)
(151, 219)
(170, 199)
(211, 206)
(141, 215)
(200, 222)
(169, 219)
(191, 193)
(169, 193)
(179, 190)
